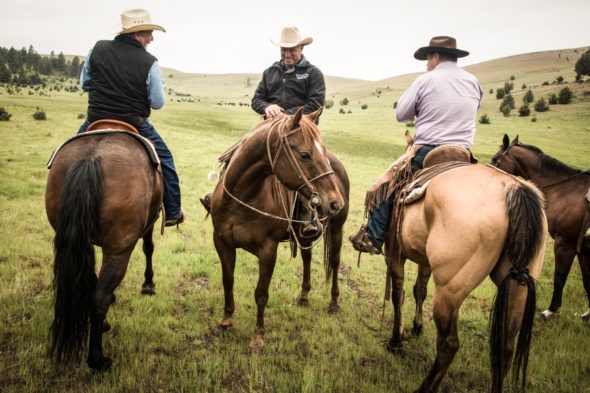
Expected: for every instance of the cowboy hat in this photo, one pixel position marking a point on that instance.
(442, 44)
(137, 20)
(290, 38)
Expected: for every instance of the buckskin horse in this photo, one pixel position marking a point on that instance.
(103, 189)
(473, 221)
(250, 208)
(566, 192)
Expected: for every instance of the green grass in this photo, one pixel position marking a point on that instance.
(169, 342)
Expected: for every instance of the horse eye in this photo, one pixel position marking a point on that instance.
(305, 156)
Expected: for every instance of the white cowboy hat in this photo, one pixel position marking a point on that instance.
(137, 20)
(290, 38)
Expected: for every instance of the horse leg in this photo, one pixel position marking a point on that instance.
(303, 300)
(397, 298)
(227, 256)
(564, 257)
(111, 274)
(584, 260)
(148, 286)
(447, 340)
(334, 238)
(266, 264)
(420, 291)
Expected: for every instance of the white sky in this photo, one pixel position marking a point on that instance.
(365, 39)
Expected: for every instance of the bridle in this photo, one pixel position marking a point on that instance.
(314, 200)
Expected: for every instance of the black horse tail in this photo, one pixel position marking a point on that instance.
(524, 205)
(74, 278)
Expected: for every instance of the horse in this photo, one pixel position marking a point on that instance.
(104, 189)
(566, 192)
(250, 208)
(473, 221)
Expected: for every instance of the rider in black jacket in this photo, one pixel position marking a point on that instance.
(292, 82)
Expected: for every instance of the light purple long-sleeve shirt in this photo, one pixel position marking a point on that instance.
(444, 102)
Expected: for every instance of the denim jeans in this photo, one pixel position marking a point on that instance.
(380, 215)
(171, 183)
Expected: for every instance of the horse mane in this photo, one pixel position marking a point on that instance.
(550, 164)
(309, 131)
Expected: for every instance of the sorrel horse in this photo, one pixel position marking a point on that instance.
(566, 190)
(474, 221)
(102, 189)
(249, 206)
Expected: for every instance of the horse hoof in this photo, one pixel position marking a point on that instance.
(302, 301)
(333, 308)
(394, 345)
(548, 314)
(225, 323)
(417, 330)
(102, 364)
(148, 290)
(257, 344)
(586, 316)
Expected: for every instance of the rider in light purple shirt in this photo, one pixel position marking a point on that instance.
(444, 102)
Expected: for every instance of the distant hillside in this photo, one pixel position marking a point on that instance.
(530, 69)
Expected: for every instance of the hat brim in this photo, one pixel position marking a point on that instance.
(137, 28)
(305, 41)
(423, 52)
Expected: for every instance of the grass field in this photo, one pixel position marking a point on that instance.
(169, 342)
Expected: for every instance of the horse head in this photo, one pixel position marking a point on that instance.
(298, 159)
(502, 159)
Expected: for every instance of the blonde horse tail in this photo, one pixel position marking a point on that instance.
(524, 207)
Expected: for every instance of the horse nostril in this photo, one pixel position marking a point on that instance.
(334, 207)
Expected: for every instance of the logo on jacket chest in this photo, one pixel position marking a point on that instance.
(302, 76)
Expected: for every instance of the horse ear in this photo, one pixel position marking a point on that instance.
(505, 142)
(409, 137)
(315, 114)
(297, 118)
(515, 141)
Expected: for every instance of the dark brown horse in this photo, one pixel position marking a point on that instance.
(103, 189)
(566, 190)
(474, 221)
(250, 208)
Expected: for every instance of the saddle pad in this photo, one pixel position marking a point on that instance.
(147, 144)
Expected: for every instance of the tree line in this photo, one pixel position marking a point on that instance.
(26, 67)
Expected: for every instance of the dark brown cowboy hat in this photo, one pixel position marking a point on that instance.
(442, 44)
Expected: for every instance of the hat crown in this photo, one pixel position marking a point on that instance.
(291, 37)
(443, 42)
(137, 19)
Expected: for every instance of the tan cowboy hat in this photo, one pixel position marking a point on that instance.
(290, 38)
(137, 20)
(441, 44)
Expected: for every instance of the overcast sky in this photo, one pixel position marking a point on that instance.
(365, 39)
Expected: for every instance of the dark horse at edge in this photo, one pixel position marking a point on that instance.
(250, 207)
(566, 192)
(102, 189)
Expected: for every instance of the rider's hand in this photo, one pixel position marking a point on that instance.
(273, 110)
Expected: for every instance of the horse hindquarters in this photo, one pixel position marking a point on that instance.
(74, 277)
